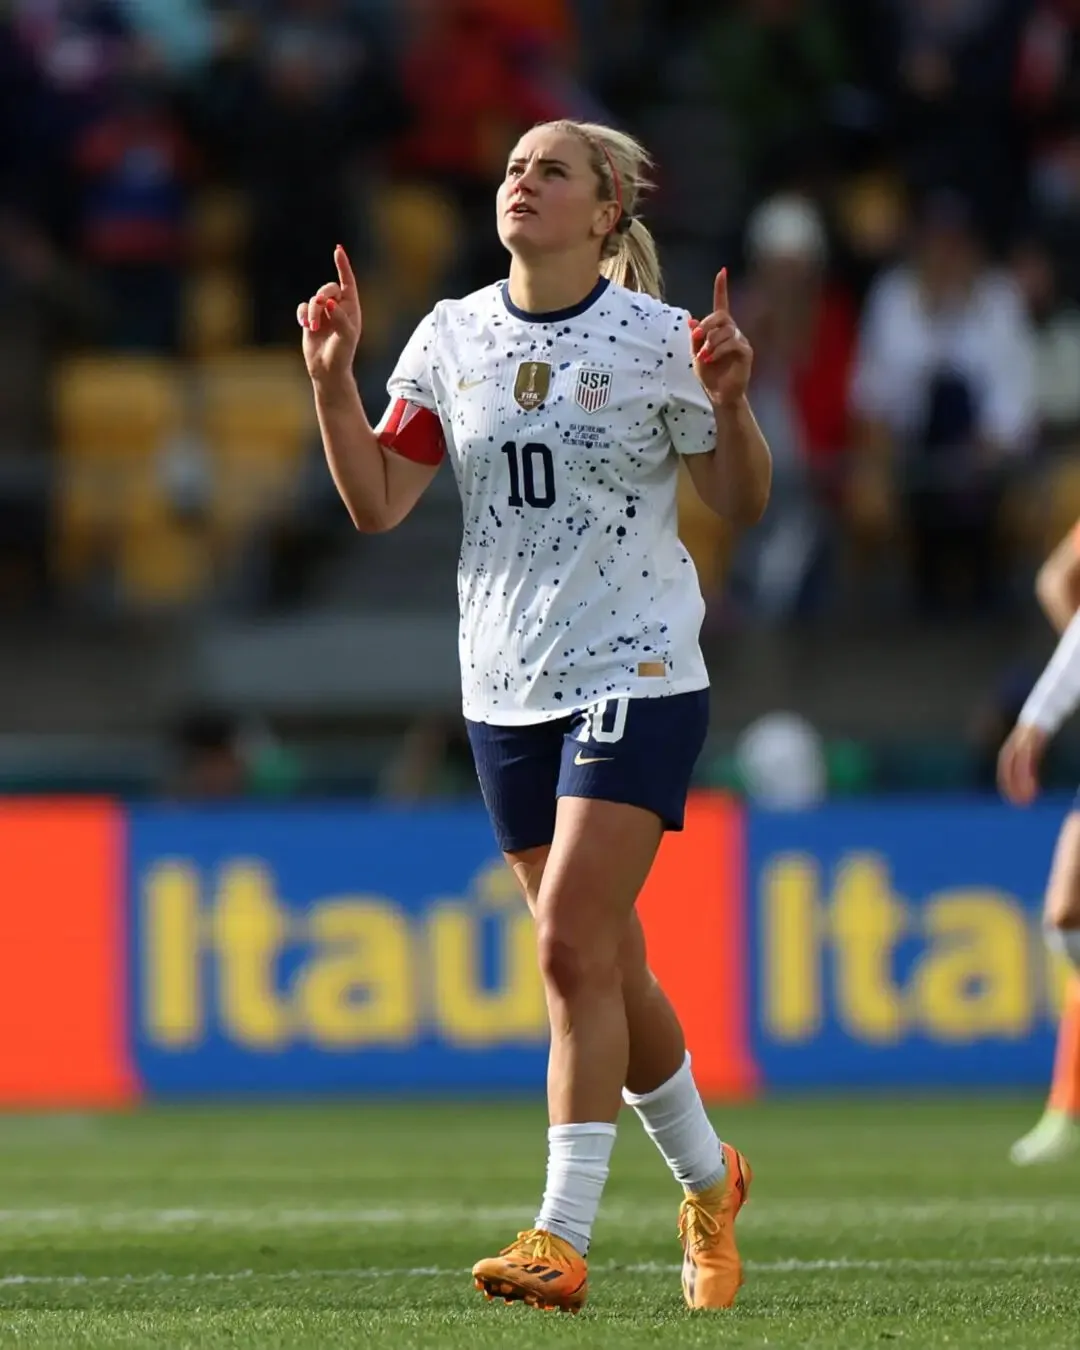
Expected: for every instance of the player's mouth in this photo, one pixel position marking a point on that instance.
(520, 209)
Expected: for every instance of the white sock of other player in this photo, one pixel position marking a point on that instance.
(579, 1157)
(1067, 942)
(674, 1118)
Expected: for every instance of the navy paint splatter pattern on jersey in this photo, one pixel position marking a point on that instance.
(564, 432)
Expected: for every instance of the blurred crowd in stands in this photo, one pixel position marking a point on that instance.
(894, 183)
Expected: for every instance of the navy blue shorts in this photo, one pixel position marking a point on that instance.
(640, 751)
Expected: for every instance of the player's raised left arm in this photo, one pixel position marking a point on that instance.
(736, 477)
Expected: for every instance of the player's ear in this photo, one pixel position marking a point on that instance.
(605, 218)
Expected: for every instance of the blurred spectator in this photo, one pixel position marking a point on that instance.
(182, 31)
(1048, 102)
(217, 757)
(947, 67)
(773, 66)
(1056, 324)
(803, 328)
(136, 167)
(945, 393)
(291, 116)
(781, 761)
(68, 54)
(476, 74)
(432, 761)
(43, 305)
(209, 763)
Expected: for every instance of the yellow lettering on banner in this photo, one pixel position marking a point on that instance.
(977, 974)
(867, 922)
(250, 929)
(172, 949)
(974, 980)
(359, 986)
(465, 1011)
(791, 946)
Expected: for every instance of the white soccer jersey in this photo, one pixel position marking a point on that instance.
(564, 432)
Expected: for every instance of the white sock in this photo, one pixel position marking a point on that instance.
(1067, 942)
(578, 1160)
(674, 1118)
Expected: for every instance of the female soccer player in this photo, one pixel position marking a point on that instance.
(1056, 695)
(564, 397)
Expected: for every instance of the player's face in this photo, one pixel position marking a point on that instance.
(548, 201)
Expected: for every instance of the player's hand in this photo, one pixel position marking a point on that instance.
(723, 359)
(332, 323)
(1019, 763)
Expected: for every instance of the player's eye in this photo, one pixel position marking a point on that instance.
(555, 169)
(515, 170)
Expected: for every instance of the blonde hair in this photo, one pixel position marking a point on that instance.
(621, 165)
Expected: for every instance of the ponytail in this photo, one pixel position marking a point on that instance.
(629, 256)
(635, 262)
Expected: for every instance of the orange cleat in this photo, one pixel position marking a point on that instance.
(712, 1269)
(538, 1269)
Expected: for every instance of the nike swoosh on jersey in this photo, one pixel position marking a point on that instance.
(470, 384)
(596, 759)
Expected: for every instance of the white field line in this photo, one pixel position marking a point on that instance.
(771, 1214)
(943, 1265)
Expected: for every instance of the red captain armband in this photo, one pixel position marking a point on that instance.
(412, 432)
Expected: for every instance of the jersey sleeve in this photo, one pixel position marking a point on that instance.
(411, 379)
(688, 414)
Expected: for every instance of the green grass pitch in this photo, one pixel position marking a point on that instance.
(871, 1222)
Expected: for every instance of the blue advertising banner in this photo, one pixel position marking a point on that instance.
(900, 945)
(328, 948)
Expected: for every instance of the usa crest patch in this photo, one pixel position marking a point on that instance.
(593, 389)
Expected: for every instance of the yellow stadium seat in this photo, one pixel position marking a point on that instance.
(259, 421)
(220, 225)
(217, 312)
(162, 562)
(417, 228)
(112, 415)
(112, 409)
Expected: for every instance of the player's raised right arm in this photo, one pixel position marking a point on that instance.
(378, 488)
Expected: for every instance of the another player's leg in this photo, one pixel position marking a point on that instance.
(1057, 1133)
(599, 859)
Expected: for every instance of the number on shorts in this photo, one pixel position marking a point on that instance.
(601, 727)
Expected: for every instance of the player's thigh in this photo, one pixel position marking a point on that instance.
(518, 768)
(599, 861)
(1062, 908)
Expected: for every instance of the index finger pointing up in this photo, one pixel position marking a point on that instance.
(344, 269)
(720, 295)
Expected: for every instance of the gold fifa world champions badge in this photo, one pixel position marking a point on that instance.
(532, 384)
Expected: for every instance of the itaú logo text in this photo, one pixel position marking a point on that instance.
(845, 951)
(227, 956)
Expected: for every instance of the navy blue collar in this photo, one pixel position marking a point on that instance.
(555, 315)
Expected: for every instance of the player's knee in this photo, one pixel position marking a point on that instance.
(572, 960)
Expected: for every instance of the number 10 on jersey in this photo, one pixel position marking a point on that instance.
(532, 474)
